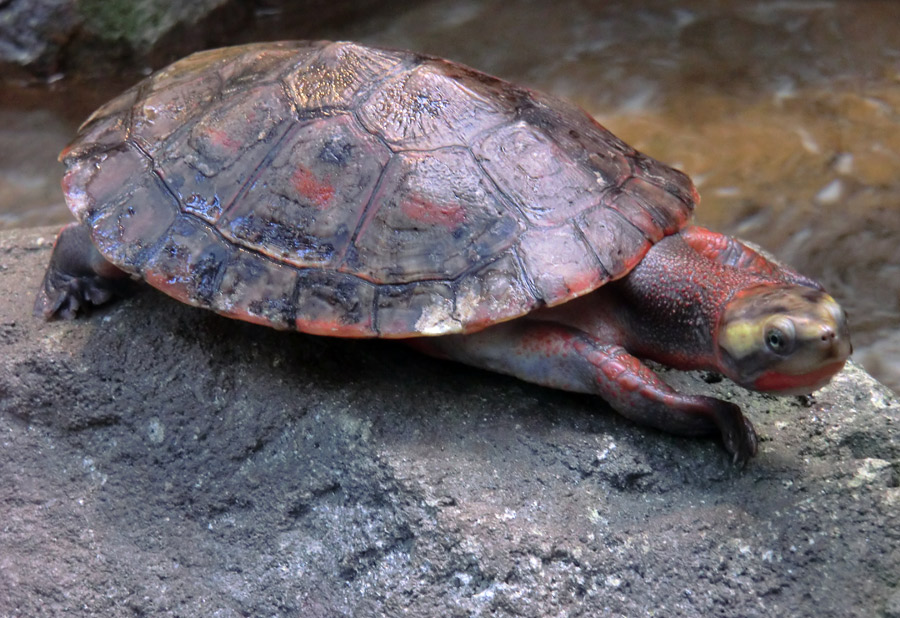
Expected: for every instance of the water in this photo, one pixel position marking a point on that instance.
(786, 114)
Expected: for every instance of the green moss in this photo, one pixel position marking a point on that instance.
(138, 22)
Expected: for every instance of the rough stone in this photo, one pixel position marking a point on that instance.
(161, 460)
(103, 37)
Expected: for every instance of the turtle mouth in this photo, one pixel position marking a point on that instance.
(797, 384)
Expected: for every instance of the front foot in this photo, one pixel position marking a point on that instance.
(77, 277)
(737, 431)
(636, 392)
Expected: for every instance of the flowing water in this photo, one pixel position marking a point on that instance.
(785, 113)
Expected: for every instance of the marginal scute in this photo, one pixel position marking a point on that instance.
(668, 212)
(338, 75)
(433, 216)
(671, 180)
(415, 309)
(256, 289)
(617, 243)
(308, 199)
(335, 304)
(539, 177)
(129, 226)
(91, 184)
(495, 292)
(188, 262)
(560, 263)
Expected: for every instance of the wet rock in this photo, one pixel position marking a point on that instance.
(103, 37)
(48, 35)
(32, 31)
(161, 460)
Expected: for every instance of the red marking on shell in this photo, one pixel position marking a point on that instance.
(73, 188)
(582, 282)
(448, 214)
(223, 139)
(174, 285)
(334, 328)
(313, 189)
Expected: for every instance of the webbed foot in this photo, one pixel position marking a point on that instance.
(77, 277)
(738, 434)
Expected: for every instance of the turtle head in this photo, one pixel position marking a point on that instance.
(785, 339)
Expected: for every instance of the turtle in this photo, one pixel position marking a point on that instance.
(352, 191)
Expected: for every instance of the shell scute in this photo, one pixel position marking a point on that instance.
(560, 262)
(188, 262)
(306, 202)
(256, 289)
(338, 76)
(616, 242)
(127, 227)
(336, 304)
(220, 154)
(433, 217)
(427, 108)
(539, 176)
(496, 291)
(425, 308)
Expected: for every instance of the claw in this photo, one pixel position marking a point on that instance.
(77, 277)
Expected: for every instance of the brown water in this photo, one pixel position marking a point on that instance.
(786, 114)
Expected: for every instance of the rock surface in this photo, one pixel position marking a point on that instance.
(102, 37)
(161, 460)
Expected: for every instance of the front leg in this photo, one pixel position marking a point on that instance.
(566, 358)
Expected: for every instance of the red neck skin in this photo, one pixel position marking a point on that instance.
(667, 309)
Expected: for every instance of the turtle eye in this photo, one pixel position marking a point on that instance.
(775, 340)
(780, 336)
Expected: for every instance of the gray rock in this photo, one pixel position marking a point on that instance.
(100, 38)
(32, 31)
(46, 35)
(161, 460)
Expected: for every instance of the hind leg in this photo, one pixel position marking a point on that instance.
(77, 276)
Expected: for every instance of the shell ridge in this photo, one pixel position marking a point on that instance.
(576, 225)
(527, 279)
(264, 162)
(505, 199)
(366, 215)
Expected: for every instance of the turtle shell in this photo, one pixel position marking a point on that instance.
(361, 192)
